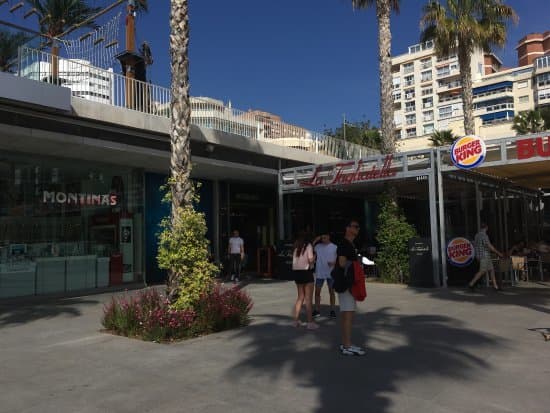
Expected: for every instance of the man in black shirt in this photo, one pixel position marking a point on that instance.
(347, 253)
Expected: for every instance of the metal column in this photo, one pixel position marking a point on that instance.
(433, 224)
(280, 207)
(216, 220)
(442, 238)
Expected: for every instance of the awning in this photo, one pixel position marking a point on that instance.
(495, 86)
(505, 114)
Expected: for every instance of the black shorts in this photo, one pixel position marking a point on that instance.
(303, 276)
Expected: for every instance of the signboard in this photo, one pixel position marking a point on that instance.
(531, 147)
(460, 252)
(468, 152)
(127, 249)
(350, 173)
(67, 198)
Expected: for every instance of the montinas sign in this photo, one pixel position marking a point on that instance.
(64, 198)
(346, 173)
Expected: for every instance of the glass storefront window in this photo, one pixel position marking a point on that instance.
(68, 225)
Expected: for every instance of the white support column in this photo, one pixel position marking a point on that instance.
(216, 220)
(280, 206)
(433, 224)
(442, 238)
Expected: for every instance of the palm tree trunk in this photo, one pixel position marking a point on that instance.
(180, 166)
(55, 63)
(464, 61)
(383, 11)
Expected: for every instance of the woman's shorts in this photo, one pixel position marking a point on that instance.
(303, 276)
(346, 301)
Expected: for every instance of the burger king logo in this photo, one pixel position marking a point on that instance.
(468, 152)
(460, 252)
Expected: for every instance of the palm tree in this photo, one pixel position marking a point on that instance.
(529, 122)
(462, 27)
(442, 137)
(9, 45)
(180, 165)
(383, 13)
(56, 16)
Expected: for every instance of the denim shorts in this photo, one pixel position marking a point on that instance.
(320, 281)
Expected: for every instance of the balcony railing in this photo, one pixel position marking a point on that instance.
(106, 87)
(542, 62)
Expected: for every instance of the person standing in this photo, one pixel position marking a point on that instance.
(483, 248)
(236, 255)
(347, 253)
(302, 262)
(325, 253)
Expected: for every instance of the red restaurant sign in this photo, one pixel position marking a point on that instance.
(339, 175)
(531, 147)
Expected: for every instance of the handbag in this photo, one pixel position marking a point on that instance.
(359, 288)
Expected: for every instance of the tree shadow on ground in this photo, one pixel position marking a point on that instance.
(531, 297)
(407, 353)
(21, 313)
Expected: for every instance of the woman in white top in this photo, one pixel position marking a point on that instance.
(302, 266)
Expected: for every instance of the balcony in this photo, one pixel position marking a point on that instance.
(409, 109)
(542, 64)
(409, 122)
(494, 108)
(445, 87)
(116, 90)
(447, 99)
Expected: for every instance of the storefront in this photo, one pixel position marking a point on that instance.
(68, 225)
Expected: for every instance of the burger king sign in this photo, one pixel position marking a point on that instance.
(460, 252)
(468, 152)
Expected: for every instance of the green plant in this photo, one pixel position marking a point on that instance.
(530, 121)
(442, 138)
(183, 251)
(394, 233)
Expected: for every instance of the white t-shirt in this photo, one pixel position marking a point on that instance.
(325, 253)
(235, 244)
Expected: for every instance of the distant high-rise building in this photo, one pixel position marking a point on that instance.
(532, 46)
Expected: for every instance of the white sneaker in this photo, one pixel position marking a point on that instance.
(236, 280)
(232, 277)
(351, 351)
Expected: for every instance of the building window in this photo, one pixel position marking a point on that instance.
(445, 112)
(543, 80)
(409, 94)
(396, 82)
(426, 63)
(524, 99)
(410, 119)
(410, 107)
(427, 102)
(408, 68)
(396, 96)
(428, 129)
(409, 80)
(443, 71)
(426, 76)
(427, 91)
(523, 84)
(428, 116)
(411, 132)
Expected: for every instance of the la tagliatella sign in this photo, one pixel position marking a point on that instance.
(468, 152)
(346, 173)
(460, 252)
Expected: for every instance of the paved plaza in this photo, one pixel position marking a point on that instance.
(428, 351)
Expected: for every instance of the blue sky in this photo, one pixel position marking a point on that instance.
(308, 61)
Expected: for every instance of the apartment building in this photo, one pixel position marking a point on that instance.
(427, 94)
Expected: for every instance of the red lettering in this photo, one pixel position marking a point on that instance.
(540, 147)
(525, 148)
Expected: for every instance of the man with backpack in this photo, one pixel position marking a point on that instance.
(347, 254)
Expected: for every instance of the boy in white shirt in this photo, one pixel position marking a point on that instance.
(236, 254)
(325, 251)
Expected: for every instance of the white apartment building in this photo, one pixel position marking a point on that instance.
(84, 80)
(427, 94)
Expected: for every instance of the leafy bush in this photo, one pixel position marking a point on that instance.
(183, 251)
(149, 316)
(394, 233)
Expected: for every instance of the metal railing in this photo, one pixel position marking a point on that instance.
(105, 86)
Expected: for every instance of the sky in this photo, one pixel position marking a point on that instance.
(308, 61)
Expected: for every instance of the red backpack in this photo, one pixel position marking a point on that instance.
(358, 289)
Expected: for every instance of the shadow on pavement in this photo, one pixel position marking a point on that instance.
(534, 298)
(12, 314)
(404, 352)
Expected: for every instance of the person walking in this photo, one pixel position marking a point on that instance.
(325, 253)
(236, 254)
(483, 248)
(347, 253)
(302, 261)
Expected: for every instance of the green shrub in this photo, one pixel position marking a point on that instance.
(183, 251)
(394, 233)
